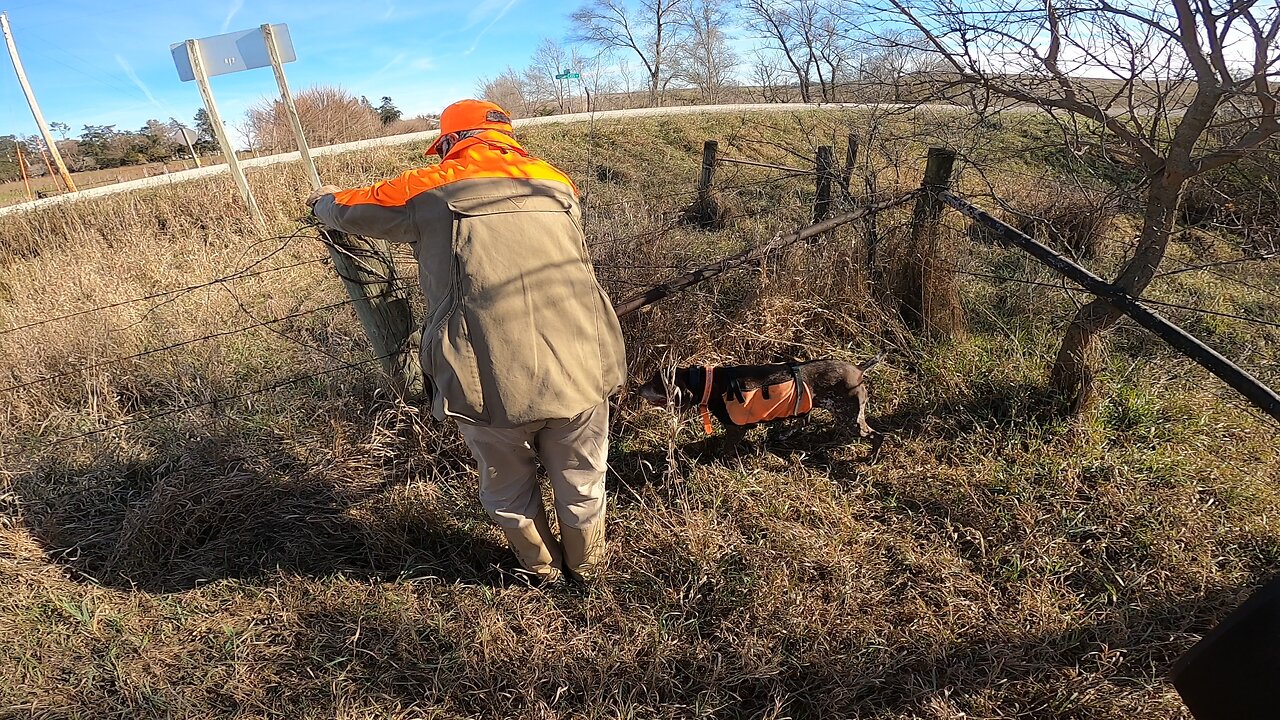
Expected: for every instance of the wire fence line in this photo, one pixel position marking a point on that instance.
(1187, 268)
(359, 256)
(243, 273)
(192, 341)
(1127, 303)
(1148, 300)
(215, 401)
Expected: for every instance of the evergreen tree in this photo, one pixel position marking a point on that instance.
(206, 141)
(387, 111)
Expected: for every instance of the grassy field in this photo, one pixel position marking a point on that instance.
(315, 549)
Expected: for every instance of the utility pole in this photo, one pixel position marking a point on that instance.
(35, 108)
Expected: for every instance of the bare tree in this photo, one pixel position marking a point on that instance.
(650, 31)
(540, 77)
(626, 79)
(508, 90)
(1193, 87)
(329, 116)
(704, 58)
(893, 62)
(600, 76)
(768, 77)
(812, 38)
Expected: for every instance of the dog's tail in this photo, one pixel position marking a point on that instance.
(865, 366)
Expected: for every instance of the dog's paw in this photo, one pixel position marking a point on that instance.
(877, 443)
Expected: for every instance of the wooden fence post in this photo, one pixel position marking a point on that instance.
(826, 162)
(926, 290)
(381, 304)
(706, 211)
(850, 159)
(710, 149)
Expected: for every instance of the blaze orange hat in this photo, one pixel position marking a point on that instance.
(471, 115)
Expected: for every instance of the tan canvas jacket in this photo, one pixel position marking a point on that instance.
(518, 329)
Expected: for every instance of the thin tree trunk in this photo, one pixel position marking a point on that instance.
(1082, 348)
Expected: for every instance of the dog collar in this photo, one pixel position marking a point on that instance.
(707, 370)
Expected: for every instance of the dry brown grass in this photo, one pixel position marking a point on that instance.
(317, 551)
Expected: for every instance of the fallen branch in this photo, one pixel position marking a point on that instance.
(675, 285)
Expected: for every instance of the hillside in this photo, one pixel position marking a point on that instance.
(247, 524)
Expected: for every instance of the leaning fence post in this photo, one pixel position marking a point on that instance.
(710, 149)
(926, 289)
(369, 275)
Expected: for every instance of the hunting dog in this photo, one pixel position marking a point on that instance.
(830, 384)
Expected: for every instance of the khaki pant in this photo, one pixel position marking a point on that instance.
(574, 453)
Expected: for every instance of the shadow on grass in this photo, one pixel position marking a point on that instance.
(987, 404)
(199, 516)
(1100, 668)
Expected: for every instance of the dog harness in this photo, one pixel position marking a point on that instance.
(748, 406)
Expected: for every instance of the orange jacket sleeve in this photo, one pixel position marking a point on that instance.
(380, 210)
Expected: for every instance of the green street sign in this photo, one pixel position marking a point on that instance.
(568, 76)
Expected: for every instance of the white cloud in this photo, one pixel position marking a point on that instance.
(394, 62)
(137, 81)
(481, 12)
(236, 6)
(487, 5)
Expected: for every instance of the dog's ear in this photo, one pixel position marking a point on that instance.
(654, 384)
(680, 391)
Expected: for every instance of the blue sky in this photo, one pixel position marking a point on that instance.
(108, 62)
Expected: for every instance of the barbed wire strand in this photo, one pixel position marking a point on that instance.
(191, 341)
(214, 401)
(240, 274)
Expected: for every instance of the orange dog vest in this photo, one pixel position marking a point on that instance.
(756, 405)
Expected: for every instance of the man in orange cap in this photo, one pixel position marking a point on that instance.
(521, 345)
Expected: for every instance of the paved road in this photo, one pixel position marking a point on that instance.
(163, 180)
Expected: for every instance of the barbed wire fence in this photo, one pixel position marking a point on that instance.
(617, 270)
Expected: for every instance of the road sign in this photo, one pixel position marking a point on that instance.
(566, 75)
(233, 52)
(188, 135)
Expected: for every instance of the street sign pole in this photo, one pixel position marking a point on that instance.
(561, 77)
(228, 152)
(273, 49)
(187, 138)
